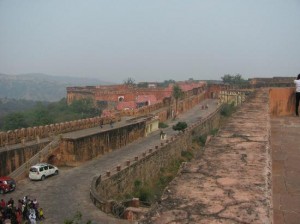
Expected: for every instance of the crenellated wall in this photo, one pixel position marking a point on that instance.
(282, 101)
(146, 167)
(20, 139)
(32, 133)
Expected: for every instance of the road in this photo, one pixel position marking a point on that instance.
(63, 195)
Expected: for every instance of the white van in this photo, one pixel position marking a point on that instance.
(42, 170)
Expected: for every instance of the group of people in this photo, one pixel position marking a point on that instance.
(24, 211)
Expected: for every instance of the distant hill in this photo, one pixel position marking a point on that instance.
(40, 87)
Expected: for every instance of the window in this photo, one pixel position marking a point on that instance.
(46, 167)
(120, 98)
(33, 169)
(41, 169)
(51, 167)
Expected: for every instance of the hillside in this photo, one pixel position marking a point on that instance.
(40, 87)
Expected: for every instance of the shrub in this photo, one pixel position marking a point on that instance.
(202, 139)
(214, 131)
(162, 125)
(187, 154)
(227, 109)
(180, 126)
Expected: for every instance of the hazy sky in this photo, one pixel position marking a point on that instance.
(152, 40)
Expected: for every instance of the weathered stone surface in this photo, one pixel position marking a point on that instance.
(286, 172)
(231, 183)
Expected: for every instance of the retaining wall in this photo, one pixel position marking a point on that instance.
(73, 150)
(147, 166)
(12, 158)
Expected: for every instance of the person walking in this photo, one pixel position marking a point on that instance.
(297, 83)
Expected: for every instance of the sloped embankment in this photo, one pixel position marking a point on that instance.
(231, 182)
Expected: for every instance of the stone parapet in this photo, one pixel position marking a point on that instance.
(282, 101)
(146, 167)
(231, 182)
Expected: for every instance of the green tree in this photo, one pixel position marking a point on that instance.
(129, 82)
(177, 94)
(43, 114)
(233, 79)
(14, 121)
(40, 115)
(85, 107)
(180, 126)
(166, 83)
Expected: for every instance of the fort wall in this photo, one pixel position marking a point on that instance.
(12, 158)
(147, 167)
(32, 133)
(17, 136)
(73, 150)
(282, 101)
(24, 139)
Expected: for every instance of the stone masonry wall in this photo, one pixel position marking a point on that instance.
(282, 101)
(10, 159)
(148, 166)
(32, 135)
(79, 149)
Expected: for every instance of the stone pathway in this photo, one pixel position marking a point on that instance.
(285, 144)
(231, 182)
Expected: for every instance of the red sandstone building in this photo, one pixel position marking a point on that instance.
(122, 97)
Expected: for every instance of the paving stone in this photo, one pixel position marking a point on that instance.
(285, 144)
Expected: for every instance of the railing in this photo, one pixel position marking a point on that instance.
(20, 171)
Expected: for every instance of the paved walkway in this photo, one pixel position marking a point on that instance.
(231, 182)
(285, 144)
(63, 195)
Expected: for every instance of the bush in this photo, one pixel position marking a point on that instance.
(162, 125)
(227, 109)
(188, 155)
(180, 126)
(146, 195)
(214, 131)
(202, 139)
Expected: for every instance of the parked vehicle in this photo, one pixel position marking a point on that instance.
(42, 170)
(7, 184)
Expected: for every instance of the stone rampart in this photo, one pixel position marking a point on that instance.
(32, 133)
(231, 182)
(147, 166)
(12, 158)
(164, 109)
(75, 149)
(282, 101)
(20, 138)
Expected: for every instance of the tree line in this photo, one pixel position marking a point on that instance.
(50, 113)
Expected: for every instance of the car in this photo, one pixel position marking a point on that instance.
(7, 184)
(42, 170)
